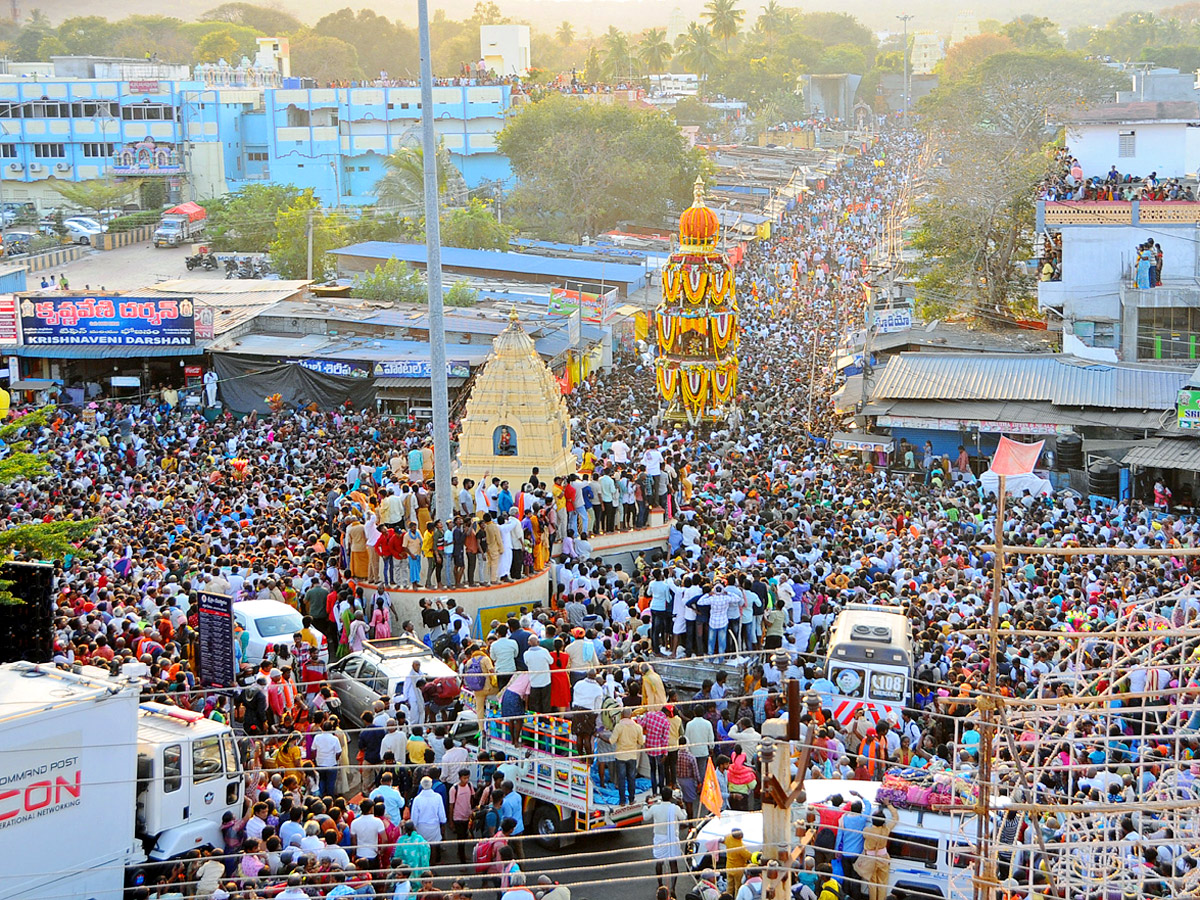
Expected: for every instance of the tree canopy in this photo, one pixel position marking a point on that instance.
(581, 168)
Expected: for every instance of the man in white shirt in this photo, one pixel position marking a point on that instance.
(391, 800)
(429, 814)
(665, 816)
(327, 750)
(367, 829)
(537, 662)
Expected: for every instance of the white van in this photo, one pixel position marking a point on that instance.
(932, 852)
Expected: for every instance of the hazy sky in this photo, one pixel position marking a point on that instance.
(635, 15)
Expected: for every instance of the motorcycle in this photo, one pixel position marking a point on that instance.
(201, 260)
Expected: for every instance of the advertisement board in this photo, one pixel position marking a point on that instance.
(419, 368)
(891, 321)
(1187, 408)
(596, 307)
(114, 321)
(214, 624)
(8, 319)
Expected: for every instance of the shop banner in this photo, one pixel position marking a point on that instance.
(419, 368)
(1187, 408)
(114, 321)
(343, 367)
(596, 307)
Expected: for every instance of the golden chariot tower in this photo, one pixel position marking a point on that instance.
(696, 323)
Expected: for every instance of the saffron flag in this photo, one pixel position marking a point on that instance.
(710, 793)
(1015, 458)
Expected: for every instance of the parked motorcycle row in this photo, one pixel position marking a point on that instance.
(246, 267)
(235, 266)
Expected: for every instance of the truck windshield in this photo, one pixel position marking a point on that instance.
(170, 225)
(206, 758)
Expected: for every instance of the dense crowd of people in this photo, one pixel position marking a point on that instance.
(772, 533)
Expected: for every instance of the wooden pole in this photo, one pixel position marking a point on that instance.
(985, 865)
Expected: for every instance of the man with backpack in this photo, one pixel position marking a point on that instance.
(752, 887)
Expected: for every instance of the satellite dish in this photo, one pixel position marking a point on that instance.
(932, 325)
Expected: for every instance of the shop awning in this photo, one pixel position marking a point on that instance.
(843, 440)
(414, 383)
(33, 384)
(1166, 453)
(101, 351)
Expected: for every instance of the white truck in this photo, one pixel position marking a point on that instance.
(95, 785)
(557, 793)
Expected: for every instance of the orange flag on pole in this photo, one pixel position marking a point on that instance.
(710, 793)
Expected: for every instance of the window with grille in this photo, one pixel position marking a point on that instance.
(49, 151)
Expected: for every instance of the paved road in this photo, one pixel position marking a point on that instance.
(127, 269)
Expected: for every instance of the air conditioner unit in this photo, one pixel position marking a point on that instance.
(63, 167)
(35, 167)
(16, 167)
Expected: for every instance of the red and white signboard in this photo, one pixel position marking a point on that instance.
(8, 319)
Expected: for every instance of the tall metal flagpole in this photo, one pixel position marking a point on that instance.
(433, 270)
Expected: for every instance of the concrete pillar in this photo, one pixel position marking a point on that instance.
(777, 821)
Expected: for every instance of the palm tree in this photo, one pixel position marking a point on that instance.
(618, 56)
(725, 19)
(566, 33)
(773, 20)
(697, 50)
(655, 51)
(403, 184)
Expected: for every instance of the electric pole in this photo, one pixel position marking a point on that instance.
(904, 18)
(433, 270)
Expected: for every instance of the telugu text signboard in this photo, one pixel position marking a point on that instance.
(419, 368)
(893, 321)
(113, 321)
(214, 624)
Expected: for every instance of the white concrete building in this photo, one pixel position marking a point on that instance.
(1138, 138)
(504, 49)
(1105, 317)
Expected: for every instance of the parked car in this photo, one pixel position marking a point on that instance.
(377, 672)
(268, 622)
(78, 233)
(87, 222)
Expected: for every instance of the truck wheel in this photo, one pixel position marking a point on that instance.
(546, 825)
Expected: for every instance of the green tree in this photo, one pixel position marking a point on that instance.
(654, 50)
(50, 46)
(580, 168)
(1032, 33)
(325, 59)
(832, 28)
(393, 282)
(37, 541)
(97, 194)
(975, 230)
(565, 34)
(218, 45)
(966, 55)
(697, 50)
(402, 186)
(152, 193)
(271, 22)
(244, 221)
(487, 13)
(381, 45)
(289, 249)
(87, 34)
(724, 20)
(475, 227)
(461, 294)
(772, 22)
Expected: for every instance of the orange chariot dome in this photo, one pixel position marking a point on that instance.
(698, 226)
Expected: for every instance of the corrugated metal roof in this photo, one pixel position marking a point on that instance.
(400, 384)
(1166, 453)
(501, 261)
(1058, 379)
(1015, 411)
(233, 301)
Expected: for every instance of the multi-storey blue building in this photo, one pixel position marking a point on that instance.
(224, 127)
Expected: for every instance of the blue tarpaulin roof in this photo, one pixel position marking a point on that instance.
(515, 264)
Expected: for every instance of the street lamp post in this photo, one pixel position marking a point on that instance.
(904, 18)
(433, 249)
